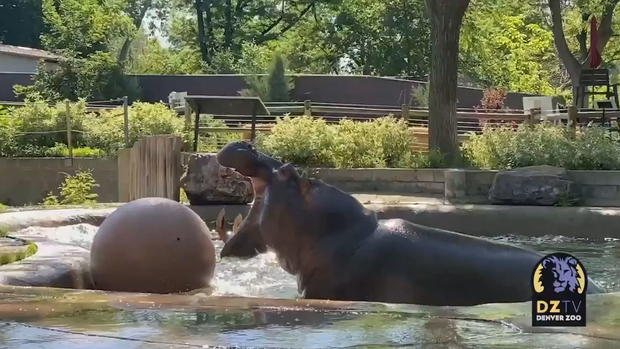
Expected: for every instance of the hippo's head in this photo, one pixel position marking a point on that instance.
(243, 157)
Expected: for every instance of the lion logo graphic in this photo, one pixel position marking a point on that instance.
(562, 274)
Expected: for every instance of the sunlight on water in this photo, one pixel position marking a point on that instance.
(262, 276)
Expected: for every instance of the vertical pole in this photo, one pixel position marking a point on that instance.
(196, 125)
(308, 107)
(126, 121)
(404, 111)
(253, 133)
(572, 118)
(68, 122)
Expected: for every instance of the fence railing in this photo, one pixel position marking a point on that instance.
(468, 119)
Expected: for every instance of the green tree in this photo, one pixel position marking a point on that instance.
(508, 46)
(279, 84)
(83, 32)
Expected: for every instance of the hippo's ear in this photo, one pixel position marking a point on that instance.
(287, 171)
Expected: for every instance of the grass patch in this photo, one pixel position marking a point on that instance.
(3, 208)
(7, 258)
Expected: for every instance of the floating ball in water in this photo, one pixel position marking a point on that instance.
(152, 245)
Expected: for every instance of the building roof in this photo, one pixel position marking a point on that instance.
(28, 52)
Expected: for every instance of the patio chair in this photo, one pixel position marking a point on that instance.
(589, 81)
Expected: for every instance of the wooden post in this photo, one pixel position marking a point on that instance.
(307, 107)
(572, 118)
(196, 126)
(253, 132)
(188, 117)
(534, 116)
(68, 122)
(404, 112)
(126, 121)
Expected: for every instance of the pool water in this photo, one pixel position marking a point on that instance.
(273, 318)
(262, 276)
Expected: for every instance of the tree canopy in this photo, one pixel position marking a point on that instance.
(523, 45)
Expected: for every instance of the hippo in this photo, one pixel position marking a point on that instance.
(339, 250)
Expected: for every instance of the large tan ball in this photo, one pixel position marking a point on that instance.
(152, 245)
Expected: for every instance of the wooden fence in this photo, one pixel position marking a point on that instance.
(151, 168)
(469, 120)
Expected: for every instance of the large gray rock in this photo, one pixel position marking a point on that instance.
(207, 182)
(534, 185)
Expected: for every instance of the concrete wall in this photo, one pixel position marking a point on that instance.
(352, 89)
(387, 181)
(596, 188)
(18, 64)
(27, 181)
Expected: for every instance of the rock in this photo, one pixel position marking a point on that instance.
(534, 185)
(206, 182)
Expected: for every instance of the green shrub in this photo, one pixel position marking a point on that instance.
(383, 142)
(106, 130)
(301, 140)
(75, 190)
(39, 125)
(8, 133)
(2, 208)
(61, 150)
(542, 144)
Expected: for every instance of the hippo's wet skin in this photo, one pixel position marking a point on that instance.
(339, 250)
(248, 241)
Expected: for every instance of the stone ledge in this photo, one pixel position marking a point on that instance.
(47, 269)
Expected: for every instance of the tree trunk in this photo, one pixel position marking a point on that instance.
(446, 19)
(202, 40)
(228, 28)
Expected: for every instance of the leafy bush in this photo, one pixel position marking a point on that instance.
(383, 142)
(75, 190)
(419, 96)
(61, 150)
(542, 144)
(8, 133)
(38, 124)
(2, 208)
(493, 98)
(301, 140)
(106, 130)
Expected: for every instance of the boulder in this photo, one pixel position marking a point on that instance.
(534, 185)
(207, 182)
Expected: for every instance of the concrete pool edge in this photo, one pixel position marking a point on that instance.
(30, 303)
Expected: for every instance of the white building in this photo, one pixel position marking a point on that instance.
(17, 59)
